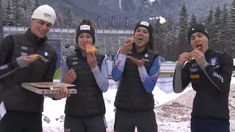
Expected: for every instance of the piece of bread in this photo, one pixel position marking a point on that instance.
(37, 56)
(90, 48)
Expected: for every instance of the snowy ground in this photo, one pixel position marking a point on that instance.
(53, 115)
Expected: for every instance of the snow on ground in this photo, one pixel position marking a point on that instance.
(53, 115)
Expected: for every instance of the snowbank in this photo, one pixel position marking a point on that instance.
(53, 115)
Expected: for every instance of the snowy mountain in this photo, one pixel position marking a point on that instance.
(118, 11)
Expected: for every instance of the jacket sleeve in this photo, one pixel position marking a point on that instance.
(101, 75)
(118, 67)
(149, 80)
(6, 50)
(221, 78)
(181, 78)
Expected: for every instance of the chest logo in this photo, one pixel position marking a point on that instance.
(45, 53)
(24, 47)
(213, 61)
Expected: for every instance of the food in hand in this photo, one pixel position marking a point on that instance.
(90, 48)
(37, 56)
(130, 40)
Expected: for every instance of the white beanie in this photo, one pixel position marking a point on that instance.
(44, 12)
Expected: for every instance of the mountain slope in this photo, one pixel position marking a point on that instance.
(133, 10)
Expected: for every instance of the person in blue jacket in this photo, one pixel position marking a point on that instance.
(209, 72)
(137, 69)
(84, 111)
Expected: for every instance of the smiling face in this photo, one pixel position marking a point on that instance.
(141, 38)
(40, 27)
(83, 39)
(199, 41)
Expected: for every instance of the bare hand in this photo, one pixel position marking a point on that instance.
(138, 62)
(199, 57)
(127, 46)
(62, 93)
(186, 56)
(70, 76)
(29, 59)
(91, 60)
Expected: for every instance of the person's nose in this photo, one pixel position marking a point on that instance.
(197, 39)
(85, 39)
(45, 27)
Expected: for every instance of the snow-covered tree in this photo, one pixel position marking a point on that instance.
(215, 31)
(170, 37)
(224, 27)
(193, 20)
(9, 18)
(17, 13)
(182, 44)
(231, 31)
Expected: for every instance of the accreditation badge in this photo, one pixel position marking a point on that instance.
(213, 61)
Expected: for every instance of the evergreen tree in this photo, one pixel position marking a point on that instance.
(68, 18)
(170, 37)
(209, 20)
(17, 13)
(193, 20)
(231, 31)
(1, 21)
(9, 18)
(216, 31)
(209, 24)
(65, 19)
(3, 12)
(182, 44)
(224, 27)
(159, 37)
(36, 4)
(26, 7)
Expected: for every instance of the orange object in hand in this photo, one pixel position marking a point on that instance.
(90, 48)
(37, 56)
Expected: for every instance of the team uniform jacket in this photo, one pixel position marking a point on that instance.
(12, 94)
(89, 99)
(131, 94)
(212, 84)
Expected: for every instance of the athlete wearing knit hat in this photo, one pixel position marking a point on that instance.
(20, 65)
(86, 28)
(209, 73)
(88, 71)
(146, 25)
(135, 57)
(46, 13)
(197, 28)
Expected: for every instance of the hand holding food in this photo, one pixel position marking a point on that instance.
(37, 56)
(199, 56)
(90, 48)
(127, 46)
(184, 58)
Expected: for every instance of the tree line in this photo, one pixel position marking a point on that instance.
(170, 37)
(18, 13)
